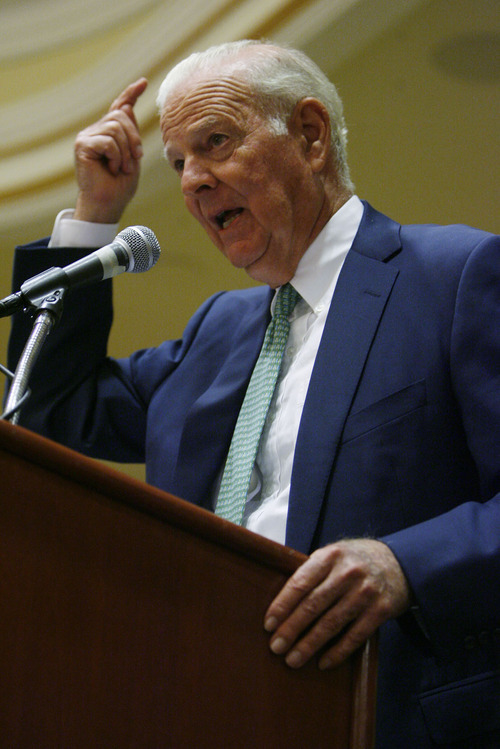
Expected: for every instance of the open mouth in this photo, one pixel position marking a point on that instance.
(225, 218)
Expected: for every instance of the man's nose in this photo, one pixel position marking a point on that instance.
(196, 176)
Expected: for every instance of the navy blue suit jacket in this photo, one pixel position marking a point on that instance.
(399, 440)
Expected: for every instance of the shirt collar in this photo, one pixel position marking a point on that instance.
(320, 266)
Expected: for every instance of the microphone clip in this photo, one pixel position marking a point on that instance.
(52, 304)
(34, 292)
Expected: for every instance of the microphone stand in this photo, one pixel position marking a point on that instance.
(47, 314)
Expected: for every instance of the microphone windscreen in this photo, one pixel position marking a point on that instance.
(143, 247)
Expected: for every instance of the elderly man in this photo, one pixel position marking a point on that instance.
(379, 453)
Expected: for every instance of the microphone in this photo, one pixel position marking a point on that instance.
(133, 250)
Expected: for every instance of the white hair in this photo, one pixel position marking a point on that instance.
(278, 77)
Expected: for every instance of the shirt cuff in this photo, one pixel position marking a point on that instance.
(69, 232)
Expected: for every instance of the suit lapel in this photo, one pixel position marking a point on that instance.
(210, 421)
(361, 295)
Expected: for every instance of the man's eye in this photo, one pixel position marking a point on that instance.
(179, 165)
(217, 139)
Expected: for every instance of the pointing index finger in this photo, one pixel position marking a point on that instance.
(130, 94)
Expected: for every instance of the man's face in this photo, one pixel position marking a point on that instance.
(251, 190)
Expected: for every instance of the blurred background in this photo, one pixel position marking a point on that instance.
(420, 85)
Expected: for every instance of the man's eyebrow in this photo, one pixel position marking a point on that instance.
(198, 128)
(206, 123)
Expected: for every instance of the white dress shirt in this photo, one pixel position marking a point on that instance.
(69, 232)
(315, 279)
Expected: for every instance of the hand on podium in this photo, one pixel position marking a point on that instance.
(344, 591)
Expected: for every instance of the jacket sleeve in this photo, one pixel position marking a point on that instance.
(452, 561)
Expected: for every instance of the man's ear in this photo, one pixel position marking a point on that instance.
(311, 123)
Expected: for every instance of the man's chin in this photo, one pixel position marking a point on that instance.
(244, 257)
(264, 270)
(262, 265)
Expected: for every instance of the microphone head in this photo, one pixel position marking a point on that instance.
(142, 248)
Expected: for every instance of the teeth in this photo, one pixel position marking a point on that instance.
(229, 220)
(226, 218)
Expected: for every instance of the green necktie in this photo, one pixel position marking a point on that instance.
(248, 429)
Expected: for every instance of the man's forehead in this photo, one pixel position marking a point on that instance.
(212, 83)
(203, 101)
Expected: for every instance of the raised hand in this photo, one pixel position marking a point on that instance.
(107, 156)
(335, 601)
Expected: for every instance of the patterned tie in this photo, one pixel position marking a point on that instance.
(248, 429)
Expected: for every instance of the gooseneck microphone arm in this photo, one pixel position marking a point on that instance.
(49, 313)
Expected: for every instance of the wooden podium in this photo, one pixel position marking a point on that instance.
(130, 619)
